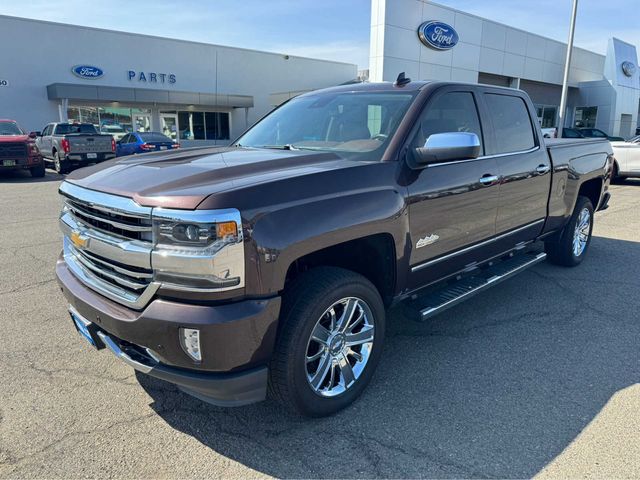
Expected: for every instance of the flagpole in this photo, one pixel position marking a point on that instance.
(567, 67)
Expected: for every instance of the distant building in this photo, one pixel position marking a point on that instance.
(604, 90)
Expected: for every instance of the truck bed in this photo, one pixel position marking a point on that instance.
(573, 158)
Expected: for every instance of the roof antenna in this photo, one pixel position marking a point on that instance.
(401, 81)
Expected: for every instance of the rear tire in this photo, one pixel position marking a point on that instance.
(318, 366)
(59, 165)
(570, 248)
(38, 171)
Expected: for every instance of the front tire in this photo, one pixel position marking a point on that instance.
(571, 247)
(38, 171)
(330, 340)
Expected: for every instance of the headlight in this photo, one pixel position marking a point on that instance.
(198, 250)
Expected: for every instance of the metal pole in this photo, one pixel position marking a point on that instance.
(567, 67)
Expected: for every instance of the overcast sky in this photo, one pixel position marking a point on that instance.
(331, 29)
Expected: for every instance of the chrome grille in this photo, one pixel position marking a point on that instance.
(107, 244)
(137, 227)
(13, 150)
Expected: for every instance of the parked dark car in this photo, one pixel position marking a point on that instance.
(143, 142)
(597, 133)
(18, 151)
(268, 265)
(571, 133)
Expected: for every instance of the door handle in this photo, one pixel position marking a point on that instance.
(542, 169)
(488, 179)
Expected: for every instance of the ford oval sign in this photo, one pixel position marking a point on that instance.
(438, 35)
(87, 71)
(628, 68)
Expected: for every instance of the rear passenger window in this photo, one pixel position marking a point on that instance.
(511, 122)
(451, 112)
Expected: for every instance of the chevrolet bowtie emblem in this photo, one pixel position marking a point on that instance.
(423, 242)
(79, 240)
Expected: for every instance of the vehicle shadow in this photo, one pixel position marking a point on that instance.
(23, 176)
(495, 387)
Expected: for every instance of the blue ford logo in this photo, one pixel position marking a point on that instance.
(438, 35)
(87, 71)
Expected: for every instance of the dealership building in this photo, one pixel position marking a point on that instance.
(200, 93)
(194, 92)
(604, 90)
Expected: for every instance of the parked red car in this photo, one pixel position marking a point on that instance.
(18, 150)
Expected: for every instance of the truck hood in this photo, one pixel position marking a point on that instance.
(184, 178)
(14, 138)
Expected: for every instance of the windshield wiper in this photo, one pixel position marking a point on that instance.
(287, 146)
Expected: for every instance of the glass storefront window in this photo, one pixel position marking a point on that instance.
(217, 125)
(547, 115)
(121, 118)
(585, 117)
(181, 125)
(191, 125)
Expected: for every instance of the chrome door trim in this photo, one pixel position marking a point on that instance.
(485, 157)
(477, 245)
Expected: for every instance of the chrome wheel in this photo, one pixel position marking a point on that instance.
(581, 232)
(340, 346)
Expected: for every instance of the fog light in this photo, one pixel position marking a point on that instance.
(190, 341)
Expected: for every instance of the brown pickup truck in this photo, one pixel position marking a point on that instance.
(18, 151)
(267, 266)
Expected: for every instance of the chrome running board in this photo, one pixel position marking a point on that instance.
(453, 293)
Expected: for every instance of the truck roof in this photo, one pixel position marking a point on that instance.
(411, 86)
(373, 86)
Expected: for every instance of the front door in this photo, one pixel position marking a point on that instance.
(169, 125)
(452, 205)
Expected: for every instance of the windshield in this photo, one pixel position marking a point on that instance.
(354, 125)
(10, 128)
(112, 129)
(64, 128)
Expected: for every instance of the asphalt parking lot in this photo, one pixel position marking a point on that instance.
(539, 376)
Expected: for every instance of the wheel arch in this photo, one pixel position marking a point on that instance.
(372, 256)
(592, 189)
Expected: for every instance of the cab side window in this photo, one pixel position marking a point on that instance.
(511, 123)
(451, 112)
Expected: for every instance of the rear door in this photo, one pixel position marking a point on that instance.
(452, 205)
(523, 165)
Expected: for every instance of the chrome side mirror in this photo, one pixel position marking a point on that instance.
(445, 147)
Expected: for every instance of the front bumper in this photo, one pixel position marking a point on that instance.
(237, 340)
(20, 163)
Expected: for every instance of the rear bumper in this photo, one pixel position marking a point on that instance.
(82, 157)
(237, 340)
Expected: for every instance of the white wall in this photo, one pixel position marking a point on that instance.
(36, 54)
